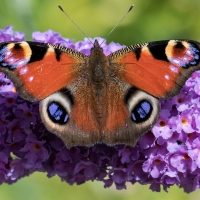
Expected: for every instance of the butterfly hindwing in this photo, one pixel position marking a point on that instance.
(39, 69)
(158, 68)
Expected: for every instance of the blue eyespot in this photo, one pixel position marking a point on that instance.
(141, 111)
(2, 53)
(57, 113)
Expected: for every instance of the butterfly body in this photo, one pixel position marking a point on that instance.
(93, 99)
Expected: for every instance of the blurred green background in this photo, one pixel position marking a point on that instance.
(150, 20)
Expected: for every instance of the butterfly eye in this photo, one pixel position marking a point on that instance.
(55, 110)
(142, 107)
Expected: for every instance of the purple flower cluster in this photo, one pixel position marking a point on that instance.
(169, 154)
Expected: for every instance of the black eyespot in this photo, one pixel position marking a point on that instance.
(141, 111)
(57, 113)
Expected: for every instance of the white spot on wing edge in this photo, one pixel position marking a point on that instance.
(174, 69)
(146, 49)
(23, 70)
(50, 51)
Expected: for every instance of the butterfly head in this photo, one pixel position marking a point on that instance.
(96, 47)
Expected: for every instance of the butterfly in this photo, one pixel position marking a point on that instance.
(112, 99)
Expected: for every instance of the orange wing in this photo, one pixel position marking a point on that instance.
(158, 68)
(39, 69)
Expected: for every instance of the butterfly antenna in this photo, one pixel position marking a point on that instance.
(74, 23)
(118, 23)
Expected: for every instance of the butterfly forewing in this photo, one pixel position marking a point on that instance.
(39, 69)
(158, 68)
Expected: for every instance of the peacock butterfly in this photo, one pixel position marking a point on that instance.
(92, 99)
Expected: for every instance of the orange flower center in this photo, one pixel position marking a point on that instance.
(150, 134)
(162, 123)
(184, 121)
(29, 115)
(189, 135)
(180, 100)
(186, 157)
(127, 148)
(10, 100)
(36, 147)
(157, 161)
(15, 128)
